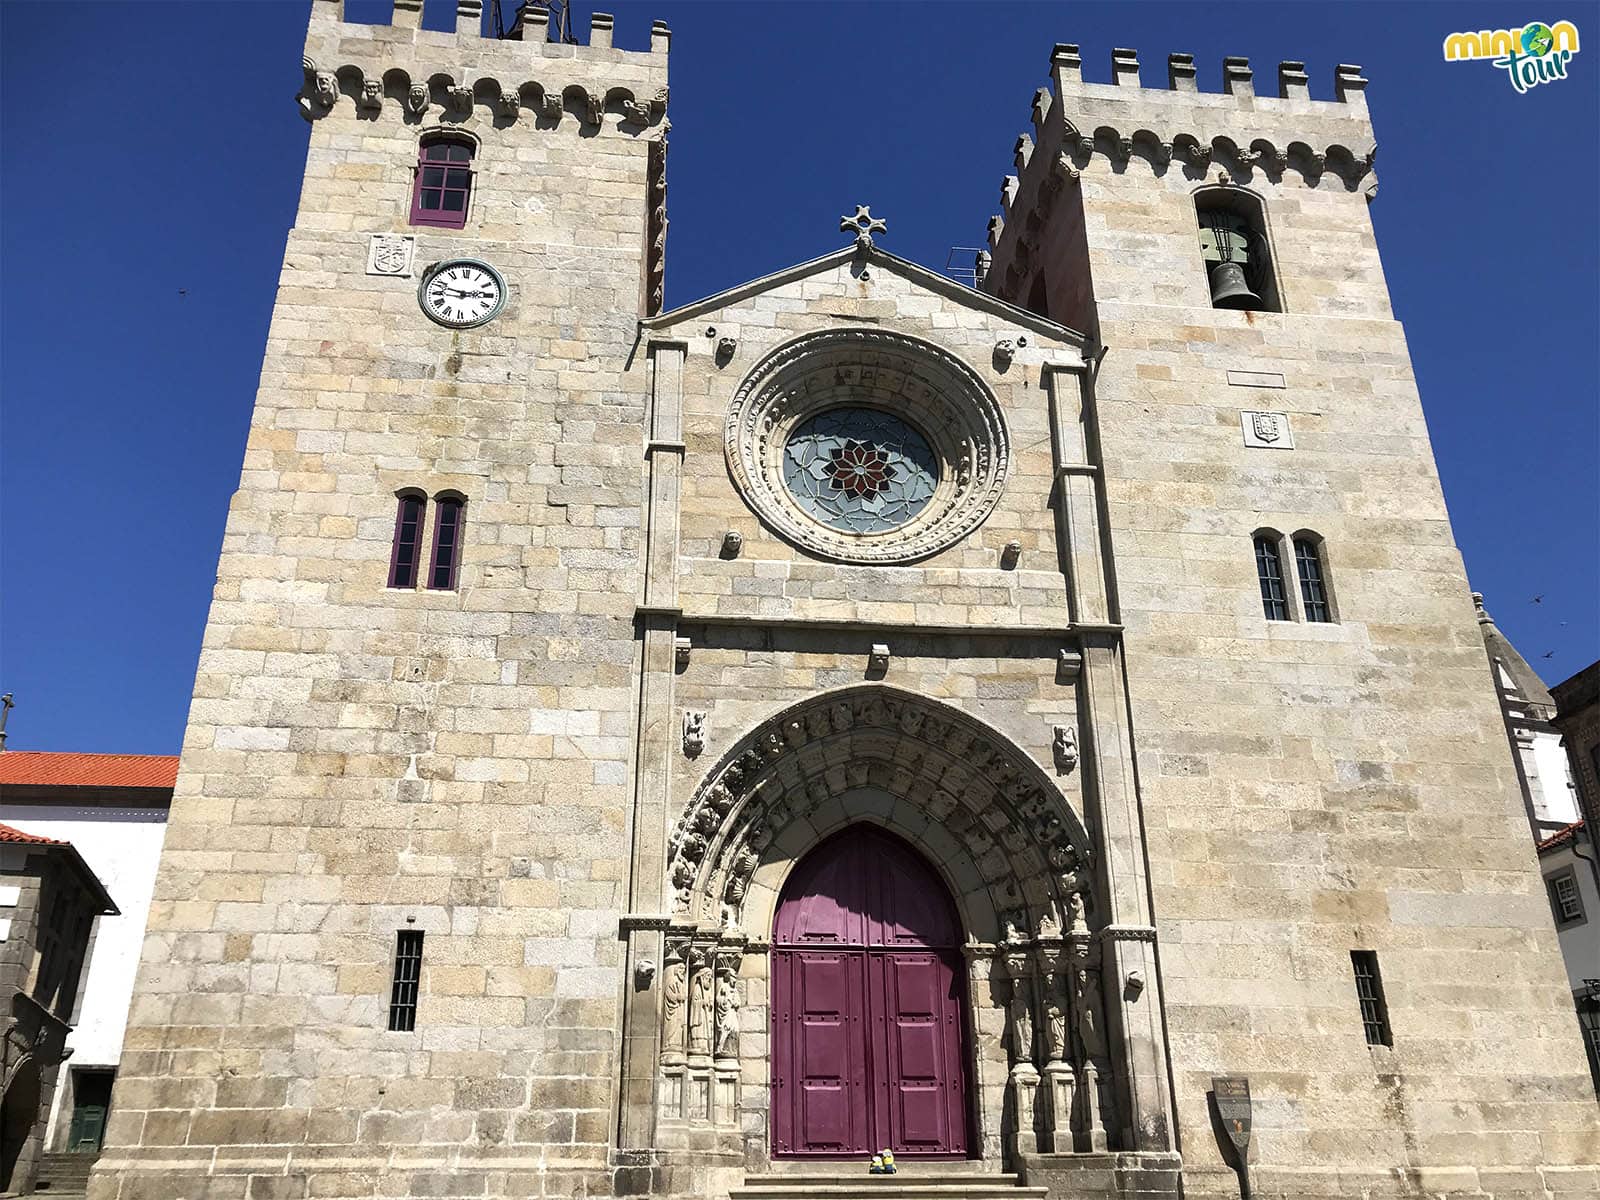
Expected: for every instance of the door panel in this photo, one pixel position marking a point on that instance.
(819, 1074)
(867, 1005)
(922, 1106)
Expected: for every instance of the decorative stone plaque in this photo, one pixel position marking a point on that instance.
(391, 254)
(1233, 1107)
(1266, 430)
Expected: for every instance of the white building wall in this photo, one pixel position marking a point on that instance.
(122, 847)
(1580, 941)
(1554, 798)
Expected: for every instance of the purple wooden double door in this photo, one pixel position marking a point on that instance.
(868, 1002)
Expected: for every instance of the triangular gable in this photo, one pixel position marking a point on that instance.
(917, 274)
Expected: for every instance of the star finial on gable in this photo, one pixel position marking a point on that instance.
(863, 225)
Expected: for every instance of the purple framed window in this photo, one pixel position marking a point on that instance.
(446, 544)
(443, 183)
(407, 540)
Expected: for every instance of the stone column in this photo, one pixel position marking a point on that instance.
(1024, 1078)
(1077, 493)
(1131, 992)
(654, 742)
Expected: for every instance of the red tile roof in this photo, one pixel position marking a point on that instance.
(1561, 836)
(108, 906)
(50, 768)
(8, 834)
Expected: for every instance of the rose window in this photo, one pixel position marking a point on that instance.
(866, 446)
(860, 470)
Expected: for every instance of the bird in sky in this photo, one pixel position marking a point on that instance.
(1539, 599)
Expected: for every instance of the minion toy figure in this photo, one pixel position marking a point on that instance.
(887, 1159)
(876, 1166)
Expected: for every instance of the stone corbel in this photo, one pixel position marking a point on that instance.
(549, 105)
(371, 97)
(509, 104)
(460, 98)
(417, 98)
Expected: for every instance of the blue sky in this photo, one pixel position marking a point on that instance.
(152, 147)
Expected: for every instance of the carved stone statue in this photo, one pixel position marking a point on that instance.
(727, 1045)
(1020, 1011)
(674, 991)
(371, 93)
(694, 732)
(702, 1007)
(1089, 1029)
(417, 97)
(1055, 1020)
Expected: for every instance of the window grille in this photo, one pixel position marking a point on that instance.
(407, 977)
(1312, 588)
(1369, 991)
(443, 184)
(407, 536)
(446, 544)
(1269, 570)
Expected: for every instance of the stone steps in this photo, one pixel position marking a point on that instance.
(64, 1174)
(909, 1183)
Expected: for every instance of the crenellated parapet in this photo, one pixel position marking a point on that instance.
(452, 75)
(1124, 119)
(1229, 136)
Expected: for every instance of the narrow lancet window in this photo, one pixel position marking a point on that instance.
(1269, 570)
(1369, 992)
(446, 544)
(1313, 588)
(407, 980)
(407, 540)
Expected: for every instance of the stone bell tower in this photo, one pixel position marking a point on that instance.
(405, 764)
(1340, 873)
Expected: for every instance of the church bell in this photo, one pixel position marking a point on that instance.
(1229, 289)
(1225, 245)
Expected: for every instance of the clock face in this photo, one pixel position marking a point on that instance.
(462, 293)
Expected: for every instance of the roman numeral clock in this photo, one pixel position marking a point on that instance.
(462, 293)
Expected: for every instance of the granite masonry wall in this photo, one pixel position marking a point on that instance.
(1309, 789)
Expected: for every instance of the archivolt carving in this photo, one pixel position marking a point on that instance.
(1022, 835)
(932, 389)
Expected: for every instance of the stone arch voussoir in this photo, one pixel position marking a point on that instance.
(953, 779)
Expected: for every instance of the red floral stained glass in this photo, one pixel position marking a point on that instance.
(860, 470)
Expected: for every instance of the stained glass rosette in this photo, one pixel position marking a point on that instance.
(859, 470)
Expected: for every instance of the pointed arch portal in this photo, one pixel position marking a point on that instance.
(868, 1004)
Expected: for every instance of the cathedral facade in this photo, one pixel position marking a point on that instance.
(682, 753)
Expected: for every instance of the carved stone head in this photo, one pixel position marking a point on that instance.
(417, 97)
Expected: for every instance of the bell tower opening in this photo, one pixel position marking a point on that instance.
(1236, 250)
(868, 1005)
